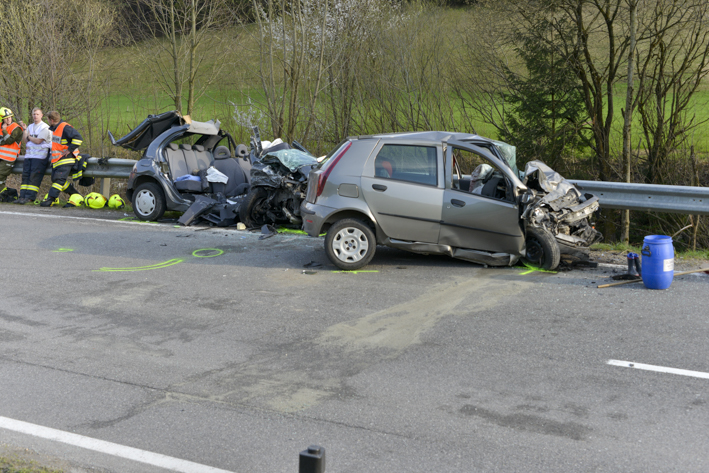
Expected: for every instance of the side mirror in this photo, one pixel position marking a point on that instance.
(525, 198)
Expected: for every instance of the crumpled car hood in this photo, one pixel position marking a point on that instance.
(549, 180)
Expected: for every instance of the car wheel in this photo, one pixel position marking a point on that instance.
(350, 244)
(542, 249)
(148, 202)
(252, 211)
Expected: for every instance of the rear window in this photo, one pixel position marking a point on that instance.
(410, 163)
(335, 151)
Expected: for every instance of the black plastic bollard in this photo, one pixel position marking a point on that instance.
(312, 460)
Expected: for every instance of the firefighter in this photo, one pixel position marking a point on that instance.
(66, 163)
(9, 151)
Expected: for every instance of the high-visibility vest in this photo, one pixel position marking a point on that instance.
(58, 146)
(12, 151)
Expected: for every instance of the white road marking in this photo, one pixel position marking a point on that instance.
(660, 369)
(125, 222)
(27, 214)
(130, 453)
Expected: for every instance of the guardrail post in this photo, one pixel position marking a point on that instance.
(106, 187)
(312, 460)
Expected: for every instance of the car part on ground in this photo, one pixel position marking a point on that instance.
(444, 193)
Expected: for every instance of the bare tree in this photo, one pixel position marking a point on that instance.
(182, 42)
(291, 40)
(408, 81)
(50, 57)
(671, 70)
(628, 115)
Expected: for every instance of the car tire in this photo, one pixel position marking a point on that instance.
(350, 244)
(251, 211)
(542, 249)
(148, 202)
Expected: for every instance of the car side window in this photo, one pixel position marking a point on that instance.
(418, 164)
(474, 174)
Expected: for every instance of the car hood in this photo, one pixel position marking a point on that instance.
(548, 180)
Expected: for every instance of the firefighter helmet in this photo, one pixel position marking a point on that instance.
(115, 202)
(5, 112)
(75, 200)
(95, 200)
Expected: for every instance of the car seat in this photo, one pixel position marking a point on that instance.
(384, 168)
(237, 182)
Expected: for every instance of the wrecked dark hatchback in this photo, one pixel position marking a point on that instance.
(172, 173)
(444, 193)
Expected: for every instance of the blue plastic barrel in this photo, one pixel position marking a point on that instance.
(658, 261)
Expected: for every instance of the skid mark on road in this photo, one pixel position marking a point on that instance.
(402, 325)
(529, 423)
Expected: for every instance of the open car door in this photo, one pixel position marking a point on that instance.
(480, 208)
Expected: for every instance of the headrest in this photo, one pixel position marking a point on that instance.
(242, 151)
(173, 146)
(187, 147)
(199, 148)
(222, 152)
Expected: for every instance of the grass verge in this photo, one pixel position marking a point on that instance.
(14, 464)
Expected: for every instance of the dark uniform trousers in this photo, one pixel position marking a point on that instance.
(62, 172)
(32, 173)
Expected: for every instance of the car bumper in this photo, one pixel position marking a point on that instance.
(314, 217)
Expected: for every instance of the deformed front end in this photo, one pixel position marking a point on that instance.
(558, 206)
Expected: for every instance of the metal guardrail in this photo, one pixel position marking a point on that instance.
(114, 168)
(655, 197)
(611, 195)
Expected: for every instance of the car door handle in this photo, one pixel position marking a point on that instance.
(379, 187)
(457, 203)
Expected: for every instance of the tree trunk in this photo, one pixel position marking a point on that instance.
(628, 118)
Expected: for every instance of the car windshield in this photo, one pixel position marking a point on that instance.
(293, 159)
(509, 155)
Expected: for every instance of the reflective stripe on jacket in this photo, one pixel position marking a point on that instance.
(12, 151)
(59, 145)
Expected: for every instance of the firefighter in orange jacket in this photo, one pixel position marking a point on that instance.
(9, 151)
(65, 154)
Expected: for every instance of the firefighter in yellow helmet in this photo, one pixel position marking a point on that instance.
(9, 151)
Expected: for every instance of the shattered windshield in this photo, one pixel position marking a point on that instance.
(293, 159)
(509, 155)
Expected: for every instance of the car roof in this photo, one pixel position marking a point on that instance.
(433, 136)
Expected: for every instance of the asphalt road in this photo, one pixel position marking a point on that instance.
(213, 347)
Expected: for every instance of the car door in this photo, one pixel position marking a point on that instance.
(402, 184)
(480, 209)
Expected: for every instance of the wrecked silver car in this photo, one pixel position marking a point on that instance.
(185, 166)
(444, 193)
